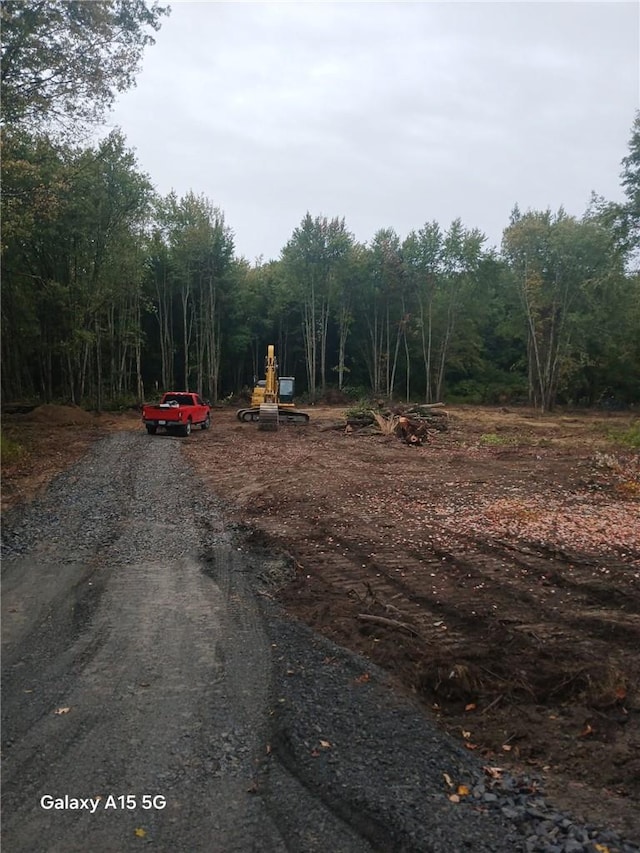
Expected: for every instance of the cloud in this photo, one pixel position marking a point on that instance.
(389, 114)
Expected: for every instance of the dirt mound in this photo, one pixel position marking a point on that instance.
(53, 415)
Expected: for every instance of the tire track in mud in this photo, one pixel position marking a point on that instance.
(455, 599)
(367, 521)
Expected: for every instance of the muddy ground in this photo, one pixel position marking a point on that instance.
(494, 571)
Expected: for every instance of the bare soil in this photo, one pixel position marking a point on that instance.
(494, 571)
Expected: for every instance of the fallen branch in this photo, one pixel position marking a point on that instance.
(493, 704)
(389, 623)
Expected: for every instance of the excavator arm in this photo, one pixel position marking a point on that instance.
(268, 418)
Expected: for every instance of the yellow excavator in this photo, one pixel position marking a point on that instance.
(272, 398)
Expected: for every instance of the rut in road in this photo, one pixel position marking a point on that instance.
(107, 612)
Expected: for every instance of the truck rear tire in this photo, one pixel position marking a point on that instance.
(186, 429)
(152, 430)
(206, 423)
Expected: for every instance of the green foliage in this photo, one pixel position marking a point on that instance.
(356, 392)
(492, 439)
(564, 270)
(192, 276)
(11, 451)
(122, 403)
(446, 276)
(362, 409)
(71, 266)
(108, 288)
(630, 212)
(315, 263)
(629, 438)
(62, 63)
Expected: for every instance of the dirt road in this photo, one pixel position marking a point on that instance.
(118, 650)
(147, 700)
(145, 654)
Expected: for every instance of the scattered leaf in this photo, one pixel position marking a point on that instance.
(362, 679)
(470, 745)
(506, 747)
(60, 711)
(448, 780)
(463, 790)
(268, 749)
(139, 832)
(454, 798)
(601, 848)
(315, 753)
(494, 772)
(325, 744)
(621, 694)
(465, 734)
(587, 730)
(470, 707)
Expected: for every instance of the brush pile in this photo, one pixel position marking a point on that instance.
(411, 423)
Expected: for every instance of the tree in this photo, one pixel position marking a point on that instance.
(63, 63)
(564, 269)
(423, 252)
(349, 281)
(72, 264)
(313, 261)
(631, 186)
(442, 269)
(462, 254)
(190, 272)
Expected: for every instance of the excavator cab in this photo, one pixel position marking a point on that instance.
(287, 389)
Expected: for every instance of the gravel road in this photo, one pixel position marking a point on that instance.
(154, 697)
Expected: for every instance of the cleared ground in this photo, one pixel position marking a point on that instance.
(495, 571)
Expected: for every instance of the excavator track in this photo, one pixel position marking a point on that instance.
(268, 418)
(247, 415)
(292, 416)
(285, 415)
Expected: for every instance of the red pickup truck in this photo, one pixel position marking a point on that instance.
(177, 411)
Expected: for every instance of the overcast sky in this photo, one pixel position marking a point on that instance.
(387, 114)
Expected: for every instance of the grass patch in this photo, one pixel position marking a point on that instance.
(492, 439)
(629, 438)
(10, 450)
